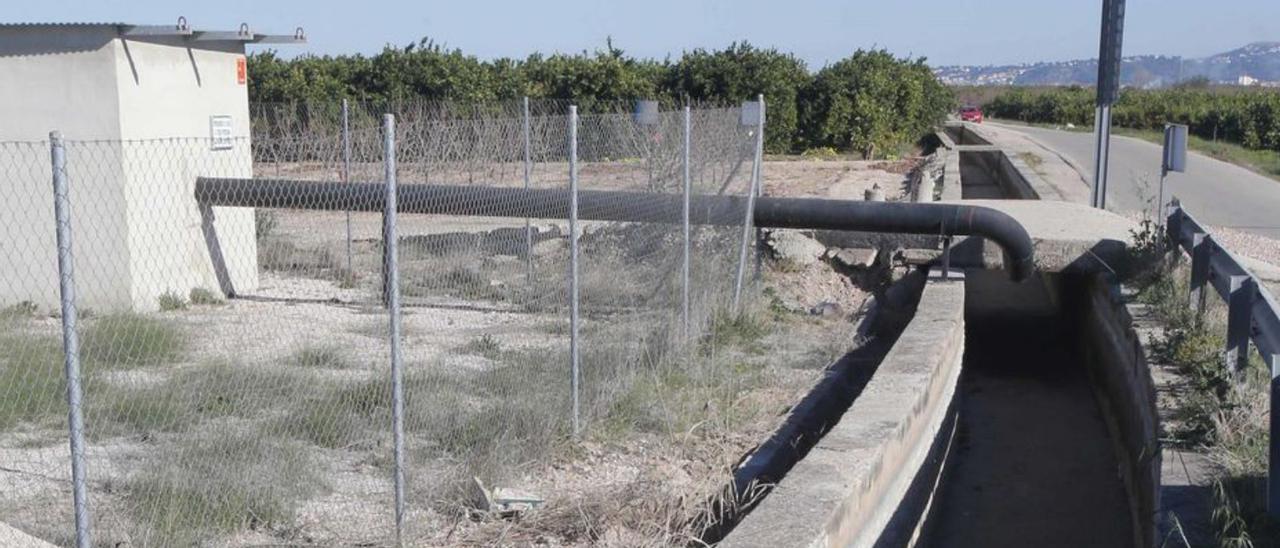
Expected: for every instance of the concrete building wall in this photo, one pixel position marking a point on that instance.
(167, 95)
(63, 79)
(136, 115)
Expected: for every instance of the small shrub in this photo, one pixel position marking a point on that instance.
(458, 281)
(348, 415)
(133, 410)
(485, 345)
(820, 154)
(131, 340)
(204, 296)
(787, 266)
(19, 310)
(341, 416)
(213, 390)
(501, 417)
(170, 301)
(224, 389)
(1148, 252)
(286, 257)
(323, 357)
(31, 379)
(219, 481)
(735, 328)
(264, 223)
(347, 279)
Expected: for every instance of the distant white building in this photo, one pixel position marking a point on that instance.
(145, 110)
(1246, 80)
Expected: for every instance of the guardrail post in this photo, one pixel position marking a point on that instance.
(1239, 321)
(1273, 461)
(1200, 253)
(1173, 224)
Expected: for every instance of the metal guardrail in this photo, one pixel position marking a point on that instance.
(1252, 315)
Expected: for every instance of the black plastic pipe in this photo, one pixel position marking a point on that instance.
(649, 207)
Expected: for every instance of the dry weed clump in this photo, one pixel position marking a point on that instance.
(1225, 413)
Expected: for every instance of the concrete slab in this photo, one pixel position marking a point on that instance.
(1062, 221)
(1067, 237)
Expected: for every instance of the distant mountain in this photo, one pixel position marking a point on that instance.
(1257, 63)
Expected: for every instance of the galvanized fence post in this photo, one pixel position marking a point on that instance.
(573, 263)
(346, 177)
(749, 217)
(528, 228)
(1239, 321)
(688, 233)
(70, 339)
(392, 292)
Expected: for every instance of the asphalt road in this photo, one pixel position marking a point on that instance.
(1215, 192)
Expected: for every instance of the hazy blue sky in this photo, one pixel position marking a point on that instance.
(947, 32)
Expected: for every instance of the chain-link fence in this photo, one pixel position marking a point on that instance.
(235, 363)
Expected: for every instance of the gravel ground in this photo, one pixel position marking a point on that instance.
(838, 179)
(1260, 252)
(612, 490)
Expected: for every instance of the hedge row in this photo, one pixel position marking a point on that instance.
(869, 102)
(1248, 116)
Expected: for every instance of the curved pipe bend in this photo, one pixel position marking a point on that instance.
(905, 218)
(649, 207)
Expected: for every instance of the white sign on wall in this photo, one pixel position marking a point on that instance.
(220, 133)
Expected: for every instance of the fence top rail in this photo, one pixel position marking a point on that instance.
(1264, 311)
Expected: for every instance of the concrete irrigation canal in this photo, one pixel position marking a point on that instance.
(1032, 458)
(1004, 414)
(1000, 404)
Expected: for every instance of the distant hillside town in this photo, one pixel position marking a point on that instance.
(1256, 64)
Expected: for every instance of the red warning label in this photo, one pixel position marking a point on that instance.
(242, 71)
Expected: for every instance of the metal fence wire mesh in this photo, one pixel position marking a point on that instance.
(235, 362)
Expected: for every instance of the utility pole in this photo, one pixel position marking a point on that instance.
(1109, 58)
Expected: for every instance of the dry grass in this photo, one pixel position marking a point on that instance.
(32, 386)
(205, 296)
(219, 481)
(1224, 413)
(324, 356)
(127, 340)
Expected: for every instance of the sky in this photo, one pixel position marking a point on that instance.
(818, 31)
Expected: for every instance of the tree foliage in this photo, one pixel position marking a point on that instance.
(741, 72)
(873, 101)
(870, 101)
(1248, 116)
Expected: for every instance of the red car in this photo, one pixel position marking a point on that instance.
(971, 114)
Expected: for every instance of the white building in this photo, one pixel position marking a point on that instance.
(143, 110)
